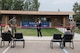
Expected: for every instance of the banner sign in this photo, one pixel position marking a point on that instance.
(33, 24)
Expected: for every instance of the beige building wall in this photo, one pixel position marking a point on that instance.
(65, 21)
(55, 20)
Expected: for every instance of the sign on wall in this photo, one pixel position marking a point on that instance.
(33, 24)
(70, 17)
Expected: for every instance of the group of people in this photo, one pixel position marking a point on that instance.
(70, 29)
(11, 26)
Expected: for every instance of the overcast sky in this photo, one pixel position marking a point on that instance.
(54, 5)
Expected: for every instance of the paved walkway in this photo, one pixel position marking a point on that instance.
(40, 47)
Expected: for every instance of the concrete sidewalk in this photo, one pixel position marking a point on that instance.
(32, 38)
(48, 38)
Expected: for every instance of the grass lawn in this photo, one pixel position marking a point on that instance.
(33, 31)
(77, 31)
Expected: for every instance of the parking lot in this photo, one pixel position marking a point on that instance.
(39, 47)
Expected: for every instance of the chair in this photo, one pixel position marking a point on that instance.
(56, 38)
(6, 36)
(18, 37)
(68, 38)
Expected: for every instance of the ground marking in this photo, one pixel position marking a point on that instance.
(6, 49)
(64, 49)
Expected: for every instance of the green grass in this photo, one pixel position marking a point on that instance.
(77, 31)
(33, 31)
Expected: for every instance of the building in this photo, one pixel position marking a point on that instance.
(51, 18)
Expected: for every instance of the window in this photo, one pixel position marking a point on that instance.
(28, 19)
(43, 19)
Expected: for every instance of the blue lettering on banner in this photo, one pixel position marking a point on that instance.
(33, 24)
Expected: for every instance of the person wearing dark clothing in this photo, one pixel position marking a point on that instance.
(67, 32)
(39, 28)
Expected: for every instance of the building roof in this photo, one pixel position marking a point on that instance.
(35, 12)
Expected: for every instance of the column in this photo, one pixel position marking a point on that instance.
(63, 21)
(5, 19)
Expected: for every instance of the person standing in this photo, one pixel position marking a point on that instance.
(13, 23)
(39, 28)
(72, 26)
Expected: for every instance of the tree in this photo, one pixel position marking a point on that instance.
(0, 4)
(36, 5)
(27, 5)
(31, 5)
(76, 9)
(5, 4)
(18, 4)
